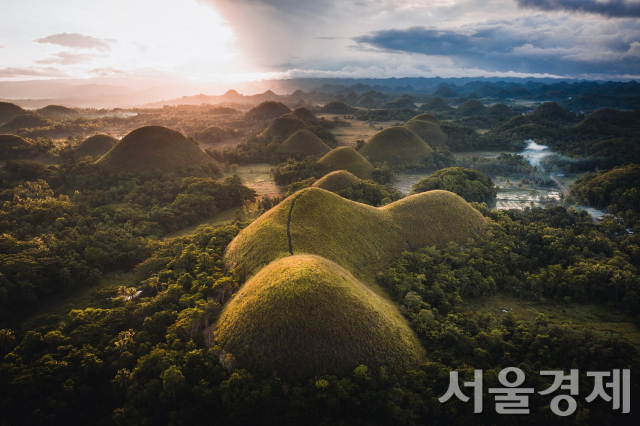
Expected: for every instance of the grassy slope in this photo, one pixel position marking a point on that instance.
(356, 236)
(428, 128)
(305, 142)
(304, 315)
(397, 146)
(154, 149)
(337, 181)
(347, 158)
(96, 145)
(283, 127)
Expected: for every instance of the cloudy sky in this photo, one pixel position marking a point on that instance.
(238, 40)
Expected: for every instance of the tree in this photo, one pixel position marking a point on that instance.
(7, 336)
(172, 380)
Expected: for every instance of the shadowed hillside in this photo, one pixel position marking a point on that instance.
(13, 147)
(347, 158)
(56, 111)
(154, 149)
(283, 127)
(305, 142)
(95, 146)
(267, 110)
(305, 114)
(304, 315)
(26, 121)
(398, 146)
(436, 104)
(8, 111)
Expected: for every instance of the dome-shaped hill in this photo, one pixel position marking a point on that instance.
(356, 236)
(499, 110)
(26, 121)
(95, 146)
(336, 181)
(8, 111)
(428, 128)
(347, 158)
(267, 110)
(305, 114)
(397, 146)
(367, 102)
(337, 107)
(400, 103)
(13, 147)
(305, 142)
(213, 135)
(446, 92)
(553, 112)
(283, 127)
(471, 107)
(154, 149)
(55, 111)
(305, 316)
(351, 97)
(436, 104)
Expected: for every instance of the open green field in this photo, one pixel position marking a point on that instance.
(256, 176)
(594, 316)
(56, 308)
(358, 129)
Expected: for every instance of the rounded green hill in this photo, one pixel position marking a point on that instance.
(367, 102)
(347, 158)
(553, 112)
(267, 110)
(13, 147)
(154, 149)
(304, 316)
(471, 107)
(27, 121)
(283, 127)
(8, 111)
(436, 104)
(428, 128)
(305, 114)
(337, 181)
(55, 111)
(337, 107)
(95, 146)
(356, 236)
(305, 142)
(500, 110)
(398, 146)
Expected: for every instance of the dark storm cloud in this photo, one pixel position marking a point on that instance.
(528, 44)
(611, 8)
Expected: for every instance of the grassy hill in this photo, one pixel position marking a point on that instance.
(95, 146)
(471, 107)
(283, 127)
(398, 146)
(356, 236)
(428, 128)
(267, 110)
(304, 316)
(55, 111)
(553, 112)
(336, 181)
(337, 107)
(500, 110)
(13, 147)
(26, 121)
(8, 111)
(367, 102)
(305, 114)
(305, 142)
(436, 104)
(347, 158)
(154, 149)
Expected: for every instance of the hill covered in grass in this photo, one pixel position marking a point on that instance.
(304, 315)
(398, 146)
(468, 183)
(8, 111)
(26, 121)
(95, 146)
(56, 111)
(155, 149)
(428, 128)
(283, 127)
(305, 114)
(471, 107)
(347, 158)
(367, 102)
(13, 147)
(267, 110)
(305, 142)
(553, 112)
(356, 236)
(437, 105)
(337, 181)
(336, 107)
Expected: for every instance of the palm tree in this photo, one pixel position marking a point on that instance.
(123, 378)
(6, 337)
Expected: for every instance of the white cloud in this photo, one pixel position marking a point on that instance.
(77, 41)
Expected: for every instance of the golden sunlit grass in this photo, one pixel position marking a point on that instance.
(396, 146)
(154, 149)
(337, 181)
(428, 128)
(304, 315)
(347, 158)
(305, 142)
(358, 237)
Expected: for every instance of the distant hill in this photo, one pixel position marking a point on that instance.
(305, 142)
(347, 158)
(336, 181)
(471, 107)
(446, 92)
(8, 111)
(553, 112)
(436, 104)
(304, 316)
(283, 127)
(56, 111)
(267, 110)
(367, 102)
(397, 146)
(499, 110)
(400, 103)
(26, 121)
(95, 146)
(155, 149)
(14, 147)
(337, 107)
(305, 114)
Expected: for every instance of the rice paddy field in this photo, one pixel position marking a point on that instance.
(256, 176)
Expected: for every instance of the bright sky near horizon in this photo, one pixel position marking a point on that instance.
(239, 40)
